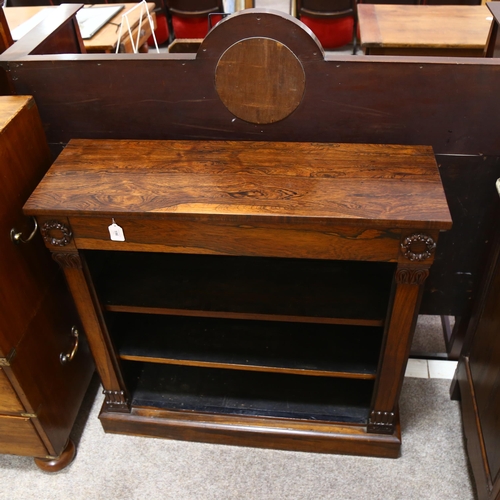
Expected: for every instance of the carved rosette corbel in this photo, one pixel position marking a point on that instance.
(116, 401)
(418, 247)
(381, 422)
(56, 233)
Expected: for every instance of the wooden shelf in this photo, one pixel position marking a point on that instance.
(336, 292)
(306, 349)
(251, 393)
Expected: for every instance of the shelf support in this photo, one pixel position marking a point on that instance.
(415, 259)
(87, 303)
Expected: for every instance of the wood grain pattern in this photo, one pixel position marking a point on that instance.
(9, 402)
(260, 80)
(20, 437)
(219, 179)
(454, 30)
(397, 347)
(231, 237)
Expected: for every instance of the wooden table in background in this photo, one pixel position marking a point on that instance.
(106, 38)
(424, 30)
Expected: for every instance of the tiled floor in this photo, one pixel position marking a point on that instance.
(423, 368)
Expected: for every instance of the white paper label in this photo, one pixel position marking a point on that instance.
(116, 232)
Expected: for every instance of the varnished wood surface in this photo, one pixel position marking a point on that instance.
(19, 437)
(385, 185)
(394, 101)
(25, 270)
(105, 39)
(9, 402)
(424, 29)
(273, 89)
(37, 313)
(478, 375)
(317, 437)
(263, 237)
(55, 464)
(50, 389)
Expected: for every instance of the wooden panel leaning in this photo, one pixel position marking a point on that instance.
(249, 293)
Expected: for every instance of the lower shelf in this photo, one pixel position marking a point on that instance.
(220, 391)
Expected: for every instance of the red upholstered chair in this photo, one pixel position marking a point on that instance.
(333, 22)
(185, 19)
(189, 18)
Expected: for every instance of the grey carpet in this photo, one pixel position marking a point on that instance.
(428, 336)
(433, 464)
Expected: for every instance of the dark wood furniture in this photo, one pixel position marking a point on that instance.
(424, 30)
(395, 100)
(478, 377)
(250, 293)
(40, 392)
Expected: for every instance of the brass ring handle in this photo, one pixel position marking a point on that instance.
(17, 237)
(66, 358)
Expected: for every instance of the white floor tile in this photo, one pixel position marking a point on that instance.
(442, 368)
(417, 368)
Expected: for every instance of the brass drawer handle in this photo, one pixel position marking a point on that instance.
(17, 237)
(66, 358)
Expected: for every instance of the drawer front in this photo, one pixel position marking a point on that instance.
(267, 239)
(19, 437)
(9, 402)
(53, 391)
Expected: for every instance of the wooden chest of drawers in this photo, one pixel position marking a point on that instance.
(39, 396)
(258, 294)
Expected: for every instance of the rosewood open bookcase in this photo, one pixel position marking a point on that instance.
(251, 293)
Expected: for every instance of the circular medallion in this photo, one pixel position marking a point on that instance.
(61, 238)
(418, 247)
(260, 80)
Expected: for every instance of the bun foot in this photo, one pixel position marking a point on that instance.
(55, 464)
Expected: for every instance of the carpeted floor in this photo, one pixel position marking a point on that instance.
(433, 465)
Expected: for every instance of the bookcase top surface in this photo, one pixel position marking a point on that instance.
(393, 185)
